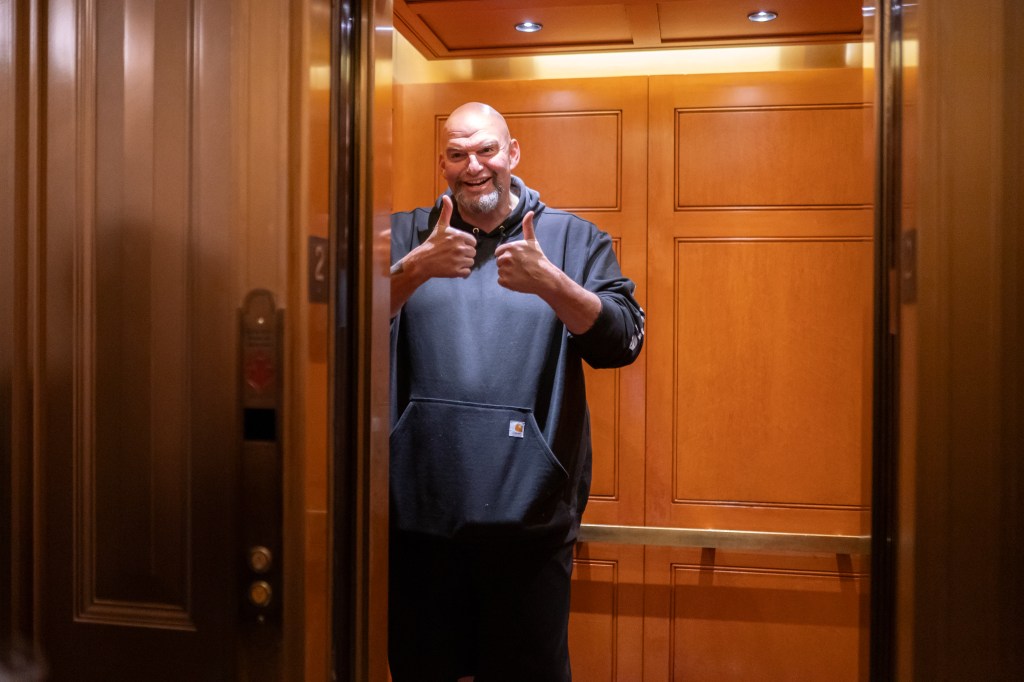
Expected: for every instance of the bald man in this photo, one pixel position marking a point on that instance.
(496, 300)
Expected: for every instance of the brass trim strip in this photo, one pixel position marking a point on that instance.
(755, 541)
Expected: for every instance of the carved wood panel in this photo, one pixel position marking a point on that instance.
(715, 615)
(767, 392)
(775, 156)
(761, 320)
(606, 627)
(133, 545)
(137, 316)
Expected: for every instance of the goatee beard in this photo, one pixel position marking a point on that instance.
(479, 204)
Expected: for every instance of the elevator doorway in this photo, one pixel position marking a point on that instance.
(733, 462)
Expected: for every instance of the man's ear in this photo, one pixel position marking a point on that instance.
(513, 153)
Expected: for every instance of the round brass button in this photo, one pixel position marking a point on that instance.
(260, 559)
(260, 593)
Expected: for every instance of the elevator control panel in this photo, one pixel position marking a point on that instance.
(261, 494)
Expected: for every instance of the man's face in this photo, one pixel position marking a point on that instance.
(477, 163)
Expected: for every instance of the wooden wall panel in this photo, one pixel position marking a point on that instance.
(606, 628)
(775, 156)
(584, 148)
(761, 319)
(761, 260)
(777, 362)
(768, 383)
(713, 615)
(133, 550)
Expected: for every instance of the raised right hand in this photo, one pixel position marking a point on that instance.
(447, 252)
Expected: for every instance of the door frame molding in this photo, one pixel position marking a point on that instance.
(20, 172)
(359, 360)
(962, 410)
(885, 401)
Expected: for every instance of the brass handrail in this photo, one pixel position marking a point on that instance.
(754, 541)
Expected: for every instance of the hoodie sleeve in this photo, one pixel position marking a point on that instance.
(617, 335)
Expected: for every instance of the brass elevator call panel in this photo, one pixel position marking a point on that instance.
(261, 459)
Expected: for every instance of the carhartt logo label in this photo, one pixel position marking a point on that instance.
(516, 429)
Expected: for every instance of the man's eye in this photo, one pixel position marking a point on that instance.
(456, 156)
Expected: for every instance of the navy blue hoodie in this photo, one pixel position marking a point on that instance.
(490, 429)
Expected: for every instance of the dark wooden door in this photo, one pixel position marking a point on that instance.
(143, 264)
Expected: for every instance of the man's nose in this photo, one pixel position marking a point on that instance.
(474, 163)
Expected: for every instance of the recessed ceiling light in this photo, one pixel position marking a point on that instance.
(762, 16)
(529, 27)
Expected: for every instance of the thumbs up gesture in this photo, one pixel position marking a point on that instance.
(522, 265)
(447, 252)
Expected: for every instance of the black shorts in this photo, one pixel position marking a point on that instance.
(499, 612)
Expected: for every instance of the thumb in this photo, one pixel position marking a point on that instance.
(528, 233)
(445, 219)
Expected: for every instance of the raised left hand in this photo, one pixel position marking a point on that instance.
(522, 265)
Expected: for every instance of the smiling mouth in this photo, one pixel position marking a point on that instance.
(476, 183)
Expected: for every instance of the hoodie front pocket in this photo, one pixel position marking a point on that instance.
(461, 469)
